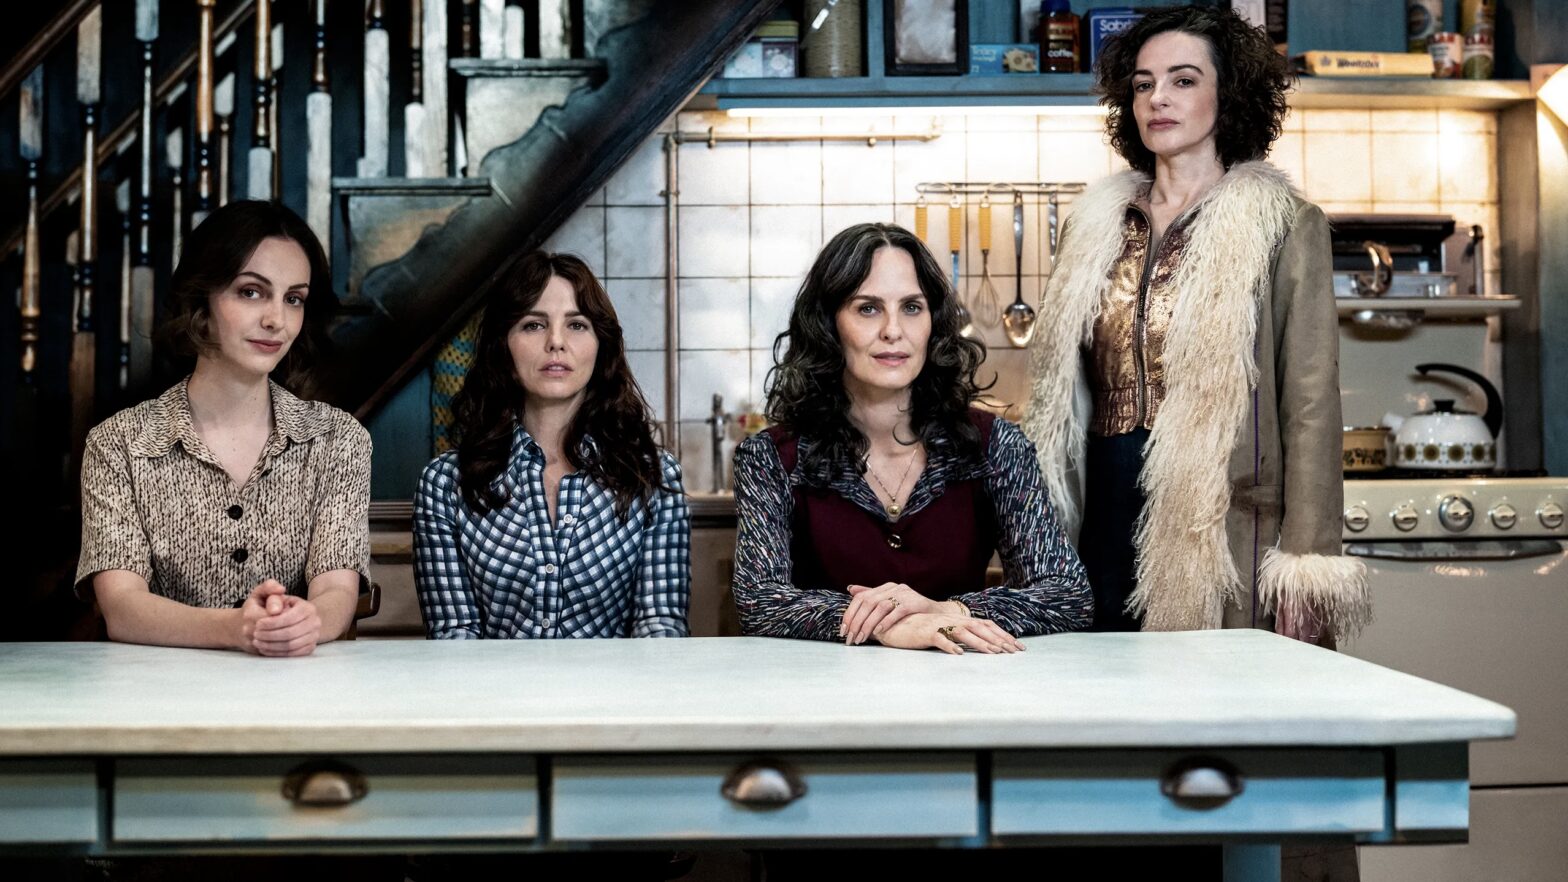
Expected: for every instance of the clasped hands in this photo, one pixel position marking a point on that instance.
(897, 615)
(277, 624)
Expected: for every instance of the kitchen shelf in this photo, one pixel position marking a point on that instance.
(1462, 306)
(1074, 90)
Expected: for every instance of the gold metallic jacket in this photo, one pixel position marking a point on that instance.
(1127, 351)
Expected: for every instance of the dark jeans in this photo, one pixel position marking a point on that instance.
(1112, 502)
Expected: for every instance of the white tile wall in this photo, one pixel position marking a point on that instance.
(754, 216)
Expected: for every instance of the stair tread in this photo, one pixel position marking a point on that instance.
(528, 67)
(413, 186)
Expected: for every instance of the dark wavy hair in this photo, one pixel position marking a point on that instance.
(1252, 80)
(212, 256)
(613, 410)
(806, 393)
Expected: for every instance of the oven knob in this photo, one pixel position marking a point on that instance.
(1504, 517)
(1455, 513)
(1551, 515)
(1357, 519)
(1405, 517)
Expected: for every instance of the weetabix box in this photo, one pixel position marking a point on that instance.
(1102, 24)
(1001, 59)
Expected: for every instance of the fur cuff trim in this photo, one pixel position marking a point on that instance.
(1333, 585)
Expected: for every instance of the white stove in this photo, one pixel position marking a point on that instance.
(1469, 582)
(1455, 509)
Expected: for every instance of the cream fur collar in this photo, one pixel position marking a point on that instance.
(1185, 570)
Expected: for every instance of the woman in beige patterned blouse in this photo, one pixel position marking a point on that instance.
(227, 513)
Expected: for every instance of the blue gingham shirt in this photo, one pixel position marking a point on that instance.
(510, 573)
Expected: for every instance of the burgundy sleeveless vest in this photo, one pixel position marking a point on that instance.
(940, 551)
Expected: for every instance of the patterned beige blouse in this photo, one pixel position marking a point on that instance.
(156, 502)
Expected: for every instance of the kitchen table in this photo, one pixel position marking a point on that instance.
(1235, 737)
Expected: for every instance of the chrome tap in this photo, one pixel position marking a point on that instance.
(717, 423)
(1477, 258)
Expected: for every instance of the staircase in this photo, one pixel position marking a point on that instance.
(192, 97)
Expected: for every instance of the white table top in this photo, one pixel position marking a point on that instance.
(1215, 688)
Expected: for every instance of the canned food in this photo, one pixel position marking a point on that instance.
(1423, 18)
(1447, 50)
(1477, 15)
(1478, 57)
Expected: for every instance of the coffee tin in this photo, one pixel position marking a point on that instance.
(1447, 50)
(1478, 56)
(1423, 18)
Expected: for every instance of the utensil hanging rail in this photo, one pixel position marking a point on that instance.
(1028, 188)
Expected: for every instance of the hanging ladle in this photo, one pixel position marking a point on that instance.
(1018, 317)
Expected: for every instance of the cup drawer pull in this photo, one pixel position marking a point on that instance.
(324, 785)
(763, 785)
(1202, 783)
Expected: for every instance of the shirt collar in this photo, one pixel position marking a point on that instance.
(169, 421)
(525, 451)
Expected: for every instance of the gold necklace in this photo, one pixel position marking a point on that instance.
(893, 508)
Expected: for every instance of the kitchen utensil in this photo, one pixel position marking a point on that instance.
(988, 301)
(1018, 318)
(1365, 448)
(1051, 215)
(1444, 437)
(955, 244)
(1382, 276)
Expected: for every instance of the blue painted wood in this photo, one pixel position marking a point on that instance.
(1252, 863)
(676, 798)
(240, 800)
(993, 21)
(1358, 25)
(401, 435)
(1432, 788)
(48, 802)
(1086, 793)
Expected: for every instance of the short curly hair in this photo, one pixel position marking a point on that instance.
(1252, 82)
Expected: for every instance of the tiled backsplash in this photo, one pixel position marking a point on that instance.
(753, 216)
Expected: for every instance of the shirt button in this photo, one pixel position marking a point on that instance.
(235, 512)
(549, 569)
(239, 555)
(567, 519)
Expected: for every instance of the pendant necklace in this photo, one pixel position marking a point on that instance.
(893, 508)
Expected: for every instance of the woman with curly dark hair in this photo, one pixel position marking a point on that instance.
(1192, 304)
(557, 515)
(870, 510)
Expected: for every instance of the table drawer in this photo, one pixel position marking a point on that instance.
(48, 801)
(377, 797)
(682, 797)
(1121, 792)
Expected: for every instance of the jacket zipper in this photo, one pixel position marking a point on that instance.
(1140, 318)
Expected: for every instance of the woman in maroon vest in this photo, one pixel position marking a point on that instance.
(872, 508)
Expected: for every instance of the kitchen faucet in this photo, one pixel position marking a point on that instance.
(717, 423)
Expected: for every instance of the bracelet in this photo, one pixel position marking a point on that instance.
(965, 607)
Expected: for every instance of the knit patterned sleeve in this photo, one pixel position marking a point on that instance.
(769, 603)
(1046, 589)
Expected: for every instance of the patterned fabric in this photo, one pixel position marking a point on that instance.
(510, 573)
(156, 502)
(1045, 589)
(446, 377)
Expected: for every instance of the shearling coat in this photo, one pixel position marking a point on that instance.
(1242, 468)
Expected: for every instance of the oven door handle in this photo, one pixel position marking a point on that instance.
(1439, 550)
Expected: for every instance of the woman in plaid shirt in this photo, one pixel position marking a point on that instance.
(557, 515)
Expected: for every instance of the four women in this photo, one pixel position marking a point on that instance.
(1191, 302)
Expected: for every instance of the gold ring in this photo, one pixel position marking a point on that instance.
(895, 602)
(947, 631)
